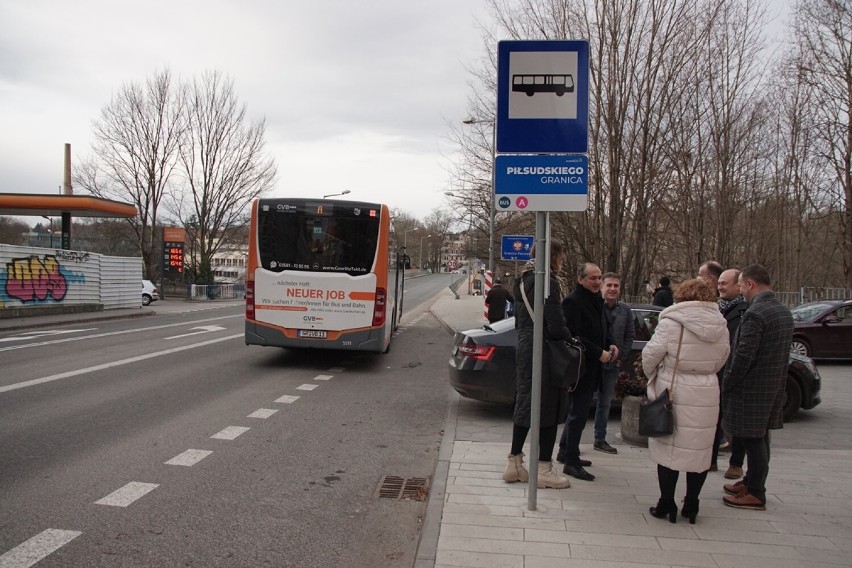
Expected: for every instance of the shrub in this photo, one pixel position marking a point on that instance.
(631, 381)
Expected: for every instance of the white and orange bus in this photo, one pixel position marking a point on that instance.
(322, 273)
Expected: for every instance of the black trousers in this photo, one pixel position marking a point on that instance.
(578, 415)
(668, 481)
(757, 454)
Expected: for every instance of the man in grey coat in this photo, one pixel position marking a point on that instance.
(753, 384)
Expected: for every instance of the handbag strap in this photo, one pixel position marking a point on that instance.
(524, 296)
(677, 360)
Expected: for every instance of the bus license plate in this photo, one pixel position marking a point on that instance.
(315, 333)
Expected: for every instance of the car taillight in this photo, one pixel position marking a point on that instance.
(250, 299)
(381, 304)
(474, 351)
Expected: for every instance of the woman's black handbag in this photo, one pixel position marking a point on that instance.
(656, 417)
(565, 357)
(565, 362)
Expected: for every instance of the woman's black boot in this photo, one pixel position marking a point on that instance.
(665, 507)
(690, 510)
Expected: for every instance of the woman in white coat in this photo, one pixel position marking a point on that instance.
(704, 349)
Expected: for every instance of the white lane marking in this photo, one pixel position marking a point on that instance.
(323, 377)
(128, 494)
(68, 374)
(336, 370)
(306, 387)
(37, 548)
(189, 458)
(287, 399)
(122, 332)
(230, 432)
(37, 334)
(262, 413)
(203, 328)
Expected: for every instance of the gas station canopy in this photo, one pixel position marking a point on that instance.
(56, 205)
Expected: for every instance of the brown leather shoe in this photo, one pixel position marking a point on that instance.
(735, 488)
(744, 500)
(734, 472)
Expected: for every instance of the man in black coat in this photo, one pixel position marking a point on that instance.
(497, 299)
(584, 315)
(753, 385)
(663, 295)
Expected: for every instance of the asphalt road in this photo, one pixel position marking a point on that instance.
(166, 441)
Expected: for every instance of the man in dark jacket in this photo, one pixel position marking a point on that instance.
(496, 299)
(753, 385)
(663, 293)
(732, 306)
(585, 318)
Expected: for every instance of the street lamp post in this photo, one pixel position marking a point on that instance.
(344, 192)
(421, 250)
(491, 211)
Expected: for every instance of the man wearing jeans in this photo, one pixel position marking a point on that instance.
(620, 324)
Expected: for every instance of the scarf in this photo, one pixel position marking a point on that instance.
(726, 306)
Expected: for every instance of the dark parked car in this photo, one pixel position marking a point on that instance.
(482, 365)
(823, 329)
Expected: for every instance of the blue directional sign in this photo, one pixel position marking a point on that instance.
(541, 183)
(543, 97)
(516, 247)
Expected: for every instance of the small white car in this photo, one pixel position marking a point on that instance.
(149, 292)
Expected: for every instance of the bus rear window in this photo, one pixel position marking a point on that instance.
(318, 237)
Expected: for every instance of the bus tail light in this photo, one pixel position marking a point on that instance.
(250, 299)
(381, 304)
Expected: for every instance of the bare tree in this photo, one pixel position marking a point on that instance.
(13, 231)
(135, 152)
(223, 162)
(824, 65)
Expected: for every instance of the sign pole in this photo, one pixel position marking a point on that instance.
(542, 264)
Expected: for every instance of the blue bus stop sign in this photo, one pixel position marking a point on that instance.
(516, 247)
(543, 97)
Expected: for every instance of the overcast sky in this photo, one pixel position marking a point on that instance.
(356, 94)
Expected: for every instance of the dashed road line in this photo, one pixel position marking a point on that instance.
(306, 387)
(262, 413)
(230, 432)
(128, 494)
(323, 377)
(189, 458)
(37, 548)
(287, 399)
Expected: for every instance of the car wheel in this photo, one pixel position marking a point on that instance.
(146, 299)
(792, 398)
(800, 347)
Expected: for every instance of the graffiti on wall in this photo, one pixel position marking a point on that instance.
(37, 279)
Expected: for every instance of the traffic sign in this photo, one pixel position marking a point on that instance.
(541, 183)
(543, 97)
(516, 247)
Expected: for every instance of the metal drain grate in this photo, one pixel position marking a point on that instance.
(411, 488)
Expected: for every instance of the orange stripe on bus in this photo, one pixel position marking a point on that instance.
(368, 296)
(285, 308)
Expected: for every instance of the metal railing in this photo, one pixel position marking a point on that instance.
(790, 299)
(210, 292)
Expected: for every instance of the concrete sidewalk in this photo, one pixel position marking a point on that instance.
(475, 519)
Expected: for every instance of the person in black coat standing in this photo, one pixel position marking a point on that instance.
(663, 295)
(584, 314)
(497, 300)
(554, 399)
(753, 385)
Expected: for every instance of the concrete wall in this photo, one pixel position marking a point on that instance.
(40, 277)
